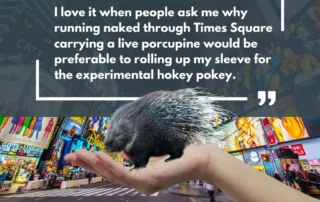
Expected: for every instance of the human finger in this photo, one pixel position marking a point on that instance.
(92, 162)
(87, 160)
(78, 159)
(80, 162)
(117, 171)
(71, 157)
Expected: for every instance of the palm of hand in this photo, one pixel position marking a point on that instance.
(156, 176)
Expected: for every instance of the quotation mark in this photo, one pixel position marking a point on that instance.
(262, 96)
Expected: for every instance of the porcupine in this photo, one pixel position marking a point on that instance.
(161, 123)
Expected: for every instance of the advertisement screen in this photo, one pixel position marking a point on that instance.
(288, 128)
(96, 130)
(57, 152)
(242, 133)
(34, 131)
(74, 126)
(99, 124)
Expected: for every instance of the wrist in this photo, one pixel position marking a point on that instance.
(207, 159)
(214, 159)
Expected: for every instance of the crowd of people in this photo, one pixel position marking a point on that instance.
(300, 180)
(50, 178)
(47, 177)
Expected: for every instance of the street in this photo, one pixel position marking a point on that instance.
(106, 191)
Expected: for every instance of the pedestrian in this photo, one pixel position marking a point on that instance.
(210, 189)
(71, 176)
(90, 176)
(45, 180)
(289, 176)
(36, 176)
(30, 177)
(9, 175)
(50, 179)
(3, 176)
(302, 181)
(42, 175)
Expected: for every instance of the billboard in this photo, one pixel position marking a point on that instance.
(96, 130)
(34, 131)
(288, 128)
(74, 127)
(99, 124)
(242, 133)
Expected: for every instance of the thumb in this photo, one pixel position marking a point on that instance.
(124, 156)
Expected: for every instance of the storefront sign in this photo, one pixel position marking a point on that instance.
(303, 162)
(271, 136)
(314, 162)
(254, 157)
(9, 148)
(30, 151)
(298, 149)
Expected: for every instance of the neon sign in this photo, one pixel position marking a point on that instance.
(95, 139)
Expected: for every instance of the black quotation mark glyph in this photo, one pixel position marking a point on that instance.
(262, 96)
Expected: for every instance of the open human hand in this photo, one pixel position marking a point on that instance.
(156, 176)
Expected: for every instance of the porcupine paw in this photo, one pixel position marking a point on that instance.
(136, 168)
(137, 165)
(174, 156)
(170, 159)
(133, 169)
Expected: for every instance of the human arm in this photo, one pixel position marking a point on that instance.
(243, 183)
(206, 162)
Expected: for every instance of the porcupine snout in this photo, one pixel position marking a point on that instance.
(108, 142)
